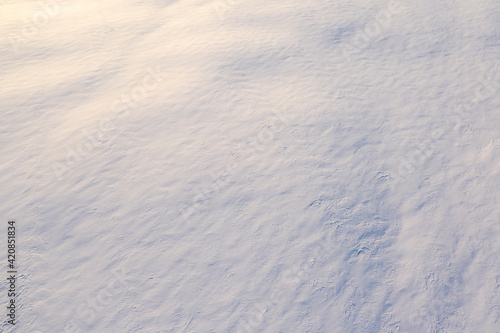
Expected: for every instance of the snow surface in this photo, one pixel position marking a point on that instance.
(252, 166)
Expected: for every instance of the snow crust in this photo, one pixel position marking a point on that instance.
(252, 166)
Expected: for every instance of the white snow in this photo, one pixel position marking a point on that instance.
(251, 166)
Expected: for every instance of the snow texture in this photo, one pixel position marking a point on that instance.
(252, 166)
